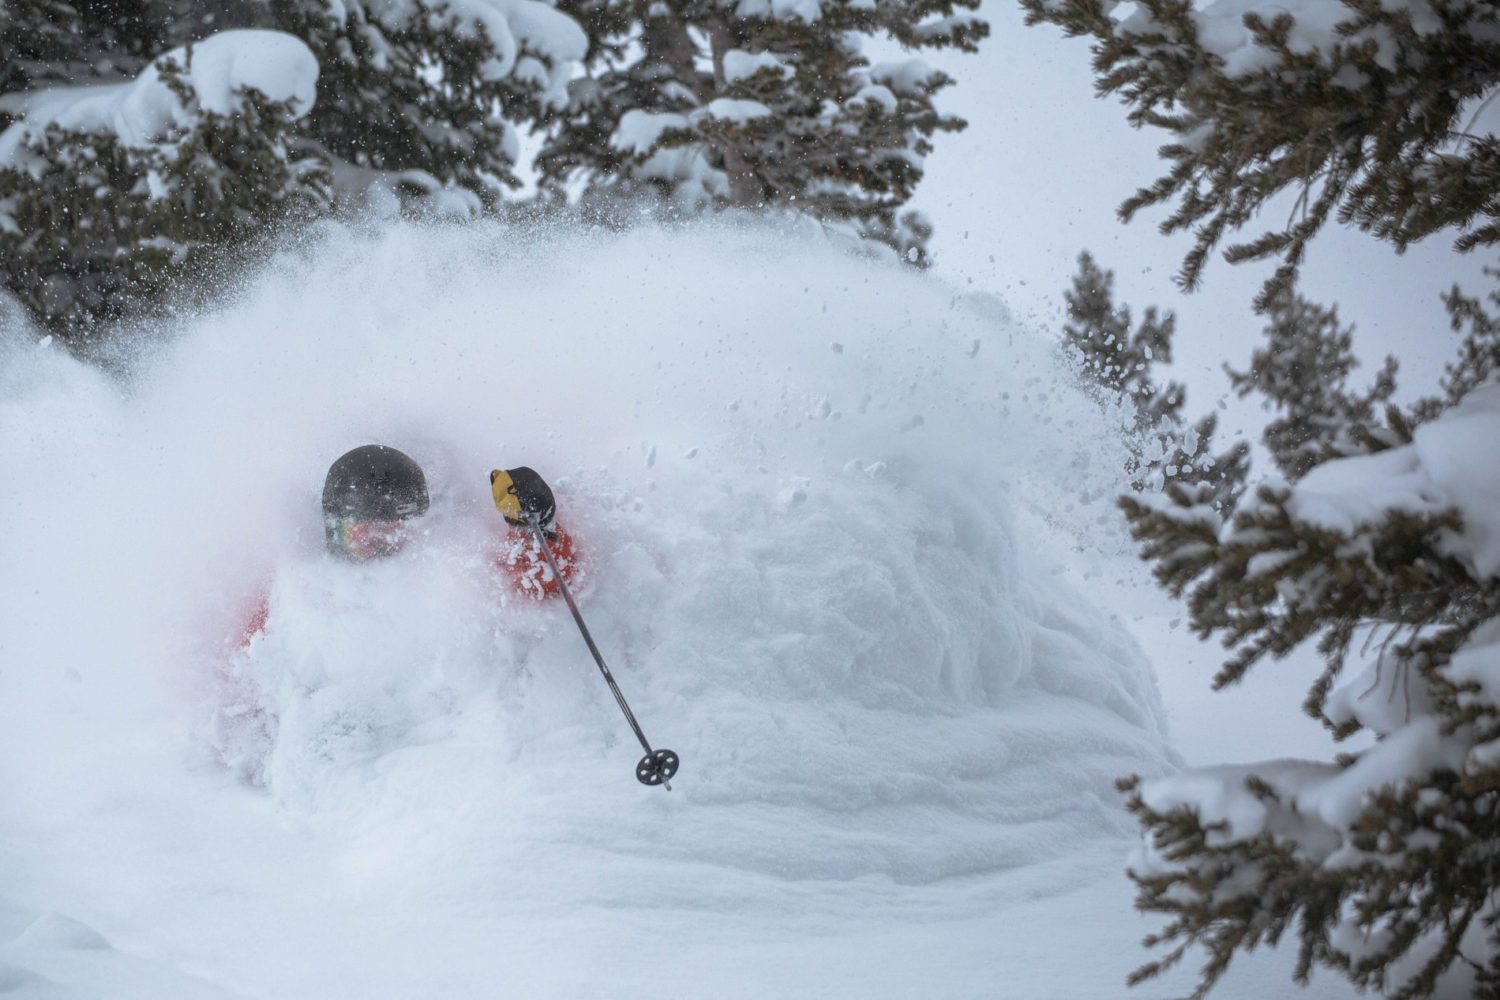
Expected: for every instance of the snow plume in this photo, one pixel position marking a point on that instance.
(818, 518)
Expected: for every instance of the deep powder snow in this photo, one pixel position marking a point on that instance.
(821, 497)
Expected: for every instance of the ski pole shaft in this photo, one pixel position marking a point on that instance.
(657, 765)
(562, 585)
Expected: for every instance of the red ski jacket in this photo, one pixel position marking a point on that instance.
(525, 567)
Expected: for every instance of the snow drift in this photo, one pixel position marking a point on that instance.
(820, 495)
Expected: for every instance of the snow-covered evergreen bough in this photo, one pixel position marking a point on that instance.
(1383, 862)
(1377, 547)
(813, 496)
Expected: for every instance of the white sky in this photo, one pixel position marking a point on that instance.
(1039, 174)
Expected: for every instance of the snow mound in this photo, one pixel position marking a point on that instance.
(54, 930)
(59, 958)
(821, 525)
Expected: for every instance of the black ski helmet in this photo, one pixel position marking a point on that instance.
(374, 483)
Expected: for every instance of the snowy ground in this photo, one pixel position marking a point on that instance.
(854, 558)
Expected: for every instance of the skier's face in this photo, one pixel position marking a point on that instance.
(361, 540)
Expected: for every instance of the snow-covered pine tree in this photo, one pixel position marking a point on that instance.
(427, 95)
(1382, 865)
(110, 196)
(1362, 107)
(1380, 541)
(1118, 366)
(35, 35)
(637, 61)
(1478, 356)
(763, 104)
(55, 42)
(1303, 371)
(1118, 361)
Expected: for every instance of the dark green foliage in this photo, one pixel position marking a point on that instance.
(1383, 866)
(419, 100)
(1266, 580)
(661, 79)
(1112, 357)
(414, 97)
(842, 141)
(1302, 371)
(1422, 886)
(415, 100)
(35, 35)
(1278, 888)
(100, 230)
(1370, 131)
(411, 94)
(50, 42)
(1276, 580)
(1478, 351)
(1118, 365)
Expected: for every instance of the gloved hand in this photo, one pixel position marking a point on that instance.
(523, 496)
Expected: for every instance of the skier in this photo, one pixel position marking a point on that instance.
(373, 494)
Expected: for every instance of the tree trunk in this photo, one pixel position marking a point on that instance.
(745, 187)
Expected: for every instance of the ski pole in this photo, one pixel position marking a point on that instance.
(658, 766)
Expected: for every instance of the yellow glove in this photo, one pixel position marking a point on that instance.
(522, 496)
